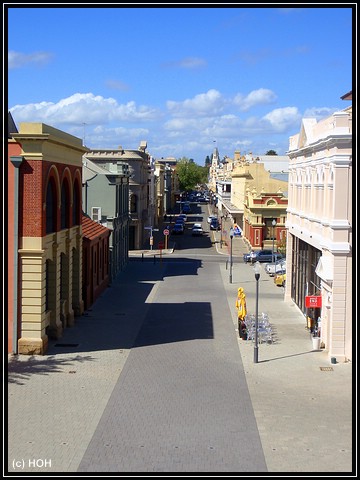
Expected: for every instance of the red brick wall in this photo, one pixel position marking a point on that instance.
(33, 184)
(14, 149)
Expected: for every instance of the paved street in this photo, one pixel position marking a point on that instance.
(154, 378)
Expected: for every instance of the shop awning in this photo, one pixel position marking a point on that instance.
(324, 269)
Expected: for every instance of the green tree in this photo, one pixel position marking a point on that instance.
(281, 245)
(190, 174)
(207, 161)
(271, 152)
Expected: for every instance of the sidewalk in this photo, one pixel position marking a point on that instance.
(301, 402)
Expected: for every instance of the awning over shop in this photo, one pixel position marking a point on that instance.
(324, 269)
(231, 208)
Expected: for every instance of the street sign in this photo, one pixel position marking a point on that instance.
(312, 301)
(166, 231)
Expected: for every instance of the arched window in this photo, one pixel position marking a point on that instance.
(50, 207)
(65, 205)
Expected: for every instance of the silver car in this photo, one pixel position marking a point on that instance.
(197, 230)
(274, 268)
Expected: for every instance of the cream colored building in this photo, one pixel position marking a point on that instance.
(319, 228)
(49, 255)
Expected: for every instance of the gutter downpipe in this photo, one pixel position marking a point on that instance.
(16, 161)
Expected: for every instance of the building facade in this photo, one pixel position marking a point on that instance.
(319, 229)
(254, 198)
(46, 269)
(106, 184)
(96, 264)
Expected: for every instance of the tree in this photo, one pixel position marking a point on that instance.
(207, 161)
(271, 152)
(190, 174)
(281, 245)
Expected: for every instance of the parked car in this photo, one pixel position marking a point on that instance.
(177, 229)
(182, 215)
(263, 256)
(215, 225)
(186, 208)
(197, 230)
(211, 217)
(273, 268)
(280, 279)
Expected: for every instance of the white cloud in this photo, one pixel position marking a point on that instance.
(262, 96)
(19, 60)
(282, 119)
(185, 128)
(209, 103)
(83, 107)
(319, 112)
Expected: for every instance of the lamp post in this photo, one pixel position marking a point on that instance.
(256, 347)
(231, 260)
(221, 231)
(273, 223)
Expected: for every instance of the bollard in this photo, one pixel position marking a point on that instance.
(142, 256)
(154, 259)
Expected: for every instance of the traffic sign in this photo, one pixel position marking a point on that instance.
(166, 231)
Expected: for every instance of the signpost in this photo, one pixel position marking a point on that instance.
(166, 233)
(151, 235)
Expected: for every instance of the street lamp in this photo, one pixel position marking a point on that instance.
(257, 276)
(221, 231)
(231, 260)
(273, 223)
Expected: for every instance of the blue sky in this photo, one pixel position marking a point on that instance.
(183, 79)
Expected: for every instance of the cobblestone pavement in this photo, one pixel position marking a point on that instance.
(154, 378)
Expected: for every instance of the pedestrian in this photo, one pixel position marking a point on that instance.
(240, 305)
(252, 257)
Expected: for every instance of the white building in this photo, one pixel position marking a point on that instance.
(319, 228)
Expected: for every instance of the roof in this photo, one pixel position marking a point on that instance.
(324, 269)
(11, 125)
(231, 208)
(92, 229)
(347, 96)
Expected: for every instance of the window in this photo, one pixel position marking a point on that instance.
(133, 204)
(96, 214)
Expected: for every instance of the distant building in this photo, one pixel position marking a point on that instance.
(106, 184)
(252, 192)
(260, 200)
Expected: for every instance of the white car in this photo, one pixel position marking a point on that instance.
(273, 268)
(211, 218)
(197, 230)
